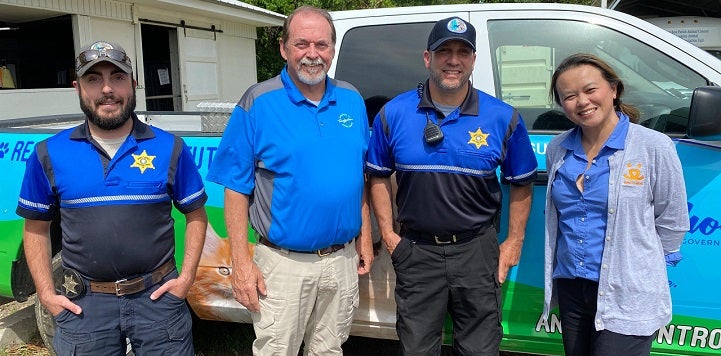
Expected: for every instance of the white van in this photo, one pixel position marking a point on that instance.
(518, 46)
(380, 51)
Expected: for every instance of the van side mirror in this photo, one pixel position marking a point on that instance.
(704, 119)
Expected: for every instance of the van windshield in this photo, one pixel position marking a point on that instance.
(384, 60)
(524, 52)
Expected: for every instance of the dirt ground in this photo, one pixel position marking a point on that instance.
(11, 307)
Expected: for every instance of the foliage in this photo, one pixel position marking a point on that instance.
(268, 57)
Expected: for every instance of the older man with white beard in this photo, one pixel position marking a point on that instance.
(291, 160)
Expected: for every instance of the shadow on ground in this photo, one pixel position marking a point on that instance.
(214, 338)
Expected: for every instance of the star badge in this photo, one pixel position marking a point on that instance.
(70, 285)
(143, 162)
(478, 138)
(73, 285)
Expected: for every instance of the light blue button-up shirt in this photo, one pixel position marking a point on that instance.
(582, 216)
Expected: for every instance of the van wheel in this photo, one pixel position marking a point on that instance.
(45, 320)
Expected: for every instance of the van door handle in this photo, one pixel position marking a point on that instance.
(516, 97)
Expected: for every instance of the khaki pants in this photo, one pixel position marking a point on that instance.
(309, 299)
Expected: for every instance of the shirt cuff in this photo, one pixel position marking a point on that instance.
(673, 258)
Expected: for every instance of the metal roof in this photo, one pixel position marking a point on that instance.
(656, 8)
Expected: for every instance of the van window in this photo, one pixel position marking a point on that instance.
(383, 61)
(525, 53)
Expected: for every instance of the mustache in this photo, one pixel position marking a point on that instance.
(104, 99)
(312, 62)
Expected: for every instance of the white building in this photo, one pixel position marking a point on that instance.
(183, 51)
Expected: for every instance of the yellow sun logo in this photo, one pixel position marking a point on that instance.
(478, 138)
(143, 162)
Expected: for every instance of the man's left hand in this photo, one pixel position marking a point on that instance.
(510, 254)
(177, 287)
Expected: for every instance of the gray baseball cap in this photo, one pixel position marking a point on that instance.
(102, 51)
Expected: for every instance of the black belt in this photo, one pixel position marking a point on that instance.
(441, 239)
(322, 252)
(135, 285)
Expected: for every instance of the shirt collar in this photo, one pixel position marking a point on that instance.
(617, 140)
(469, 106)
(296, 96)
(140, 130)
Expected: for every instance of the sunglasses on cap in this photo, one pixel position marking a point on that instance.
(92, 54)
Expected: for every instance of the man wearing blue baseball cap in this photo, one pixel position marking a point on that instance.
(445, 141)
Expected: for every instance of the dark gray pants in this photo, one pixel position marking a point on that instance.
(458, 279)
(154, 327)
(577, 309)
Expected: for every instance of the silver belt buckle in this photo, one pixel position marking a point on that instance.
(440, 242)
(117, 286)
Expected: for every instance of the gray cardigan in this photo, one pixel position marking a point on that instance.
(647, 218)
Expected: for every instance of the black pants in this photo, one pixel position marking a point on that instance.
(459, 279)
(577, 308)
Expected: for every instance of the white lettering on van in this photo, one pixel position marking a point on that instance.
(697, 336)
(552, 327)
(539, 147)
(672, 334)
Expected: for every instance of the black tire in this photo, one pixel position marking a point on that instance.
(45, 320)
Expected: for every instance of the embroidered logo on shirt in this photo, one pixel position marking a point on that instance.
(143, 162)
(633, 176)
(478, 138)
(345, 120)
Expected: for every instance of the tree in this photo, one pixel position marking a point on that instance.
(268, 56)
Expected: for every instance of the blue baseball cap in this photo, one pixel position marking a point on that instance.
(452, 28)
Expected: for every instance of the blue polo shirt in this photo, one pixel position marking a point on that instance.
(301, 164)
(115, 214)
(451, 186)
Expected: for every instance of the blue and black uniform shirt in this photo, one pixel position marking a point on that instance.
(451, 186)
(115, 214)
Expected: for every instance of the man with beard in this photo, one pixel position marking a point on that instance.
(445, 140)
(112, 183)
(291, 160)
